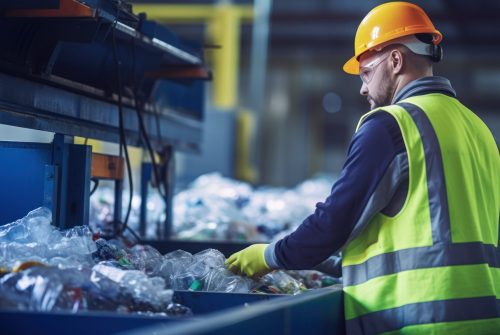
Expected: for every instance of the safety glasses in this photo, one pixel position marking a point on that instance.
(367, 72)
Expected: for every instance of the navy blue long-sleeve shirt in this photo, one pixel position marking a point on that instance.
(374, 179)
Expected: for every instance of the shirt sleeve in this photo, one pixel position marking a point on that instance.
(373, 150)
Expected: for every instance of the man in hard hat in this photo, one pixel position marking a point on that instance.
(416, 209)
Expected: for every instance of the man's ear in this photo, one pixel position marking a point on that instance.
(396, 60)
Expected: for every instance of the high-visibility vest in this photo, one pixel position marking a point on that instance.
(434, 267)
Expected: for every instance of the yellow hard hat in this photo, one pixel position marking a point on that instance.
(387, 22)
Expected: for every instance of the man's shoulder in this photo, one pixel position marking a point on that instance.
(379, 126)
(379, 119)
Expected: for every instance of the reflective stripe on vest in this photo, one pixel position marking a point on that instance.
(369, 275)
(482, 308)
(421, 258)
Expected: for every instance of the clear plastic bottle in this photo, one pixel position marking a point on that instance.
(138, 284)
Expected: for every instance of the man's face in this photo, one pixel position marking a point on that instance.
(378, 85)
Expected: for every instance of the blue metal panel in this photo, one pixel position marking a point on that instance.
(209, 302)
(22, 178)
(73, 166)
(54, 175)
(79, 168)
(315, 312)
(201, 303)
(186, 96)
(60, 155)
(54, 323)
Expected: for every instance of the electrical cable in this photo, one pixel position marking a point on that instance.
(158, 130)
(123, 142)
(156, 171)
(140, 108)
(149, 147)
(96, 185)
(139, 105)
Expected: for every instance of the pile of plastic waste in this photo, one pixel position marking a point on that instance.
(217, 208)
(102, 206)
(45, 269)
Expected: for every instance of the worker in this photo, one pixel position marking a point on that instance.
(416, 208)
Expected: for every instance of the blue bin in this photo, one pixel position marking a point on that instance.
(208, 302)
(315, 312)
(203, 305)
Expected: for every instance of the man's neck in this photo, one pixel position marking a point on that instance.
(408, 78)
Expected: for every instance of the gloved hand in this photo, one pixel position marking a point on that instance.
(249, 261)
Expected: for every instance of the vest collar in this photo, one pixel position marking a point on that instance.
(425, 85)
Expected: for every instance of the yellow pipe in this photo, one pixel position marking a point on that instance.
(225, 31)
(245, 131)
(190, 13)
(223, 28)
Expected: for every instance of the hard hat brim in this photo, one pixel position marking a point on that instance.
(352, 66)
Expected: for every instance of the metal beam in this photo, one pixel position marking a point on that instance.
(38, 105)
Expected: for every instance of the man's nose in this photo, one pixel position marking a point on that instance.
(364, 89)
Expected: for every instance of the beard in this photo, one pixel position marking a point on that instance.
(383, 96)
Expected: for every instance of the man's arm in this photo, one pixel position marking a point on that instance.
(375, 169)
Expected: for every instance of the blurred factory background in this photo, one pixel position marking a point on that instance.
(146, 141)
(284, 110)
(309, 106)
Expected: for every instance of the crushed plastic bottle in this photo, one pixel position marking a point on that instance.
(173, 267)
(34, 227)
(222, 280)
(138, 284)
(145, 258)
(43, 288)
(204, 271)
(107, 250)
(79, 240)
(283, 282)
(35, 238)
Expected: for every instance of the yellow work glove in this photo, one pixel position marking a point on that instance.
(249, 261)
